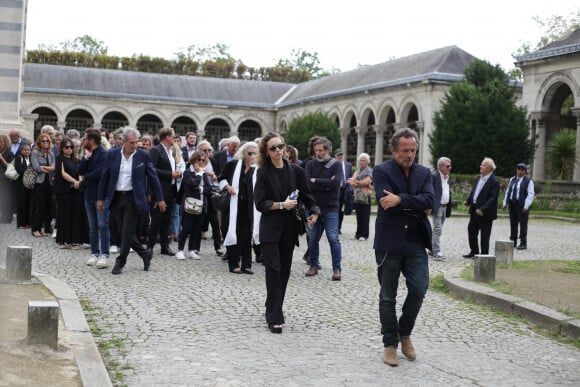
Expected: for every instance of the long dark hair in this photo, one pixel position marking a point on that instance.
(67, 141)
(263, 156)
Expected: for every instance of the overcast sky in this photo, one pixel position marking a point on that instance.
(259, 32)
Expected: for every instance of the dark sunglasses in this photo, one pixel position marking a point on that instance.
(44, 141)
(207, 150)
(448, 166)
(251, 153)
(68, 147)
(274, 147)
(201, 159)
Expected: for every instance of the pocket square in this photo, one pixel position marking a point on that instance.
(140, 165)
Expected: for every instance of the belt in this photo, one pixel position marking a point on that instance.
(123, 192)
(443, 205)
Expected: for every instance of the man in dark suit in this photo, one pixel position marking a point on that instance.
(404, 191)
(442, 205)
(482, 202)
(223, 156)
(123, 190)
(344, 187)
(190, 146)
(164, 164)
(518, 198)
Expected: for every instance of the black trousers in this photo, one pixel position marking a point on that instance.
(126, 216)
(42, 206)
(518, 219)
(190, 228)
(24, 200)
(341, 208)
(476, 224)
(363, 218)
(160, 223)
(212, 219)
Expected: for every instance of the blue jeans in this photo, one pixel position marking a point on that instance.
(413, 263)
(98, 228)
(175, 220)
(327, 221)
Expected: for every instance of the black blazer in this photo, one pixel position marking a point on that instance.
(162, 166)
(228, 175)
(416, 193)
(487, 198)
(190, 187)
(266, 193)
(221, 159)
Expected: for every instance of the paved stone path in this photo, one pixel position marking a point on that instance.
(193, 323)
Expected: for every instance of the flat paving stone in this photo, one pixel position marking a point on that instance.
(193, 323)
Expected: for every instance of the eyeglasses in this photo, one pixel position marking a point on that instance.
(44, 141)
(251, 153)
(206, 150)
(68, 147)
(447, 166)
(279, 147)
(201, 159)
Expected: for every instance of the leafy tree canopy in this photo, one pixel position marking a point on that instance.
(479, 118)
(301, 129)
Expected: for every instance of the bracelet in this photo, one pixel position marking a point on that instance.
(281, 205)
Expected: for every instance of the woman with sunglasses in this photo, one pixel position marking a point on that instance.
(71, 222)
(195, 183)
(238, 177)
(42, 160)
(279, 230)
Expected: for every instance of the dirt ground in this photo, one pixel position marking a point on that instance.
(24, 365)
(557, 291)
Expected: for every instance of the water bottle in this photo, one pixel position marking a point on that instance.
(293, 195)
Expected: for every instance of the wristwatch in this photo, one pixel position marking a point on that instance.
(281, 205)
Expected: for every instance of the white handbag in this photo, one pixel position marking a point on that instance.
(11, 172)
(193, 206)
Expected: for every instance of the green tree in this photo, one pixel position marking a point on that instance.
(301, 129)
(304, 62)
(562, 154)
(479, 118)
(86, 44)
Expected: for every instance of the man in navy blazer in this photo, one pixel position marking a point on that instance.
(482, 202)
(404, 191)
(123, 189)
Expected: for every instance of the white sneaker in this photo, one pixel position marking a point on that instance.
(180, 255)
(193, 255)
(362, 239)
(92, 260)
(54, 233)
(102, 263)
(86, 246)
(113, 249)
(438, 256)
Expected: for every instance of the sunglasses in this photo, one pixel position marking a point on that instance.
(251, 153)
(44, 141)
(447, 166)
(207, 150)
(201, 159)
(274, 147)
(68, 147)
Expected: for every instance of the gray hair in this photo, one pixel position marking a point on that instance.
(325, 142)
(240, 153)
(73, 133)
(363, 156)
(204, 142)
(442, 160)
(127, 131)
(46, 128)
(489, 161)
(235, 139)
(403, 132)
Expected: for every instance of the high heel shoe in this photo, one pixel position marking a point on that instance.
(275, 328)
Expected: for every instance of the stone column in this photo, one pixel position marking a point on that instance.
(12, 48)
(423, 146)
(539, 172)
(360, 139)
(484, 268)
(344, 140)
(379, 150)
(576, 175)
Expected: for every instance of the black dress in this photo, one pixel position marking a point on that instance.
(71, 219)
(24, 194)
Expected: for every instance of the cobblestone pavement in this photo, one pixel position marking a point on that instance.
(193, 323)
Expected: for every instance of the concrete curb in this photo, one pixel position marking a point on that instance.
(91, 367)
(542, 316)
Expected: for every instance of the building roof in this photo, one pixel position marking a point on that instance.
(445, 64)
(566, 45)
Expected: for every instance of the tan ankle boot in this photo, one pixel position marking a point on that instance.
(407, 347)
(390, 356)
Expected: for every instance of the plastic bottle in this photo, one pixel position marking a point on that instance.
(293, 195)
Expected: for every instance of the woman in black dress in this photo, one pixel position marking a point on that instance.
(21, 163)
(279, 229)
(71, 223)
(6, 158)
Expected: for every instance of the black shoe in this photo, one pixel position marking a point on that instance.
(521, 247)
(470, 255)
(219, 253)
(225, 257)
(118, 268)
(259, 258)
(168, 251)
(247, 271)
(147, 256)
(275, 328)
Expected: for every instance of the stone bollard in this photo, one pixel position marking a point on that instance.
(19, 263)
(484, 268)
(504, 252)
(43, 323)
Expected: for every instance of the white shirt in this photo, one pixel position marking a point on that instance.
(480, 185)
(169, 151)
(444, 189)
(516, 189)
(124, 182)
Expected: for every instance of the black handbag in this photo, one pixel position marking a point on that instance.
(221, 200)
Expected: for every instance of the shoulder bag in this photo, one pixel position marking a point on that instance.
(29, 177)
(193, 206)
(361, 198)
(221, 200)
(11, 172)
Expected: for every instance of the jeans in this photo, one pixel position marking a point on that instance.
(438, 221)
(98, 228)
(175, 220)
(413, 263)
(328, 221)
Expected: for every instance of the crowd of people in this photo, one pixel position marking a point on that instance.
(124, 192)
